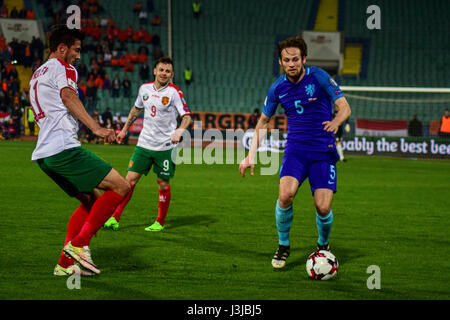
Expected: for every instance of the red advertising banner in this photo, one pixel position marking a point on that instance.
(224, 121)
(137, 125)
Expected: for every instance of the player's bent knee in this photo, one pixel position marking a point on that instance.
(163, 184)
(123, 188)
(115, 182)
(323, 210)
(285, 200)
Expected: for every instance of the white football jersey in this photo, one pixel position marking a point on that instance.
(58, 129)
(160, 114)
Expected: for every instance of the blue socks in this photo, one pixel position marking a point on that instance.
(324, 227)
(284, 221)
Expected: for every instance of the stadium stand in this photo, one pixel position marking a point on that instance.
(231, 46)
(408, 51)
(230, 49)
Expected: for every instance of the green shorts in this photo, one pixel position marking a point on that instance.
(143, 159)
(75, 170)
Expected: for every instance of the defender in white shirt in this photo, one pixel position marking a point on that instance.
(80, 173)
(163, 102)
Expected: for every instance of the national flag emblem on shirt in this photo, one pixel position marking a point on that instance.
(145, 97)
(165, 101)
(72, 84)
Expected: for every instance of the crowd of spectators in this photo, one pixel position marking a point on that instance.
(109, 46)
(106, 44)
(23, 13)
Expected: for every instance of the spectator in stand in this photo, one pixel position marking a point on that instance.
(143, 17)
(137, 7)
(444, 128)
(24, 102)
(107, 115)
(9, 131)
(150, 5)
(30, 15)
(2, 132)
(2, 43)
(82, 91)
(196, 6)
(36, 64)
(30, 119)
(129, 66)
(28, 59)
(22, 13)
(4, 12)
(144, 72)
(187, 75)
(129, 31)
(98, 82)
(37, 48)
(16, 116)
(415, 127)
(126, 86)
(13, 84)
(3, 101)
(156, 21)
(92, 138)
(115, 87)
(82, 70)
(157, 53)
(14, 13)
(156, 40)
(134, 57)
(91, 94)
(118, 127)
(107, 83)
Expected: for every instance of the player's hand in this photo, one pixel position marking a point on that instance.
(244, 165)
(330, 126)
(175, 137)
(121, 136)
(107, 134)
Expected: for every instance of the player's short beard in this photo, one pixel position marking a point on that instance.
(297, 75)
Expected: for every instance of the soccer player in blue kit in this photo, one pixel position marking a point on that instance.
(307, 95)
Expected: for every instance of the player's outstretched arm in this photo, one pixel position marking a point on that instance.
(260, 132)
(75, 106)
(344, 112)
(132, 116)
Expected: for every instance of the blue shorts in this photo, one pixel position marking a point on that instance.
(318, 167)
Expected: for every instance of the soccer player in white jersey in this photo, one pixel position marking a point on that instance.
(80, 173)
(162, 102)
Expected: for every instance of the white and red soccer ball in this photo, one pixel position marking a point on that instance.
(322, 265)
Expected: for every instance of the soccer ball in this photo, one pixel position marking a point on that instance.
(321, 265)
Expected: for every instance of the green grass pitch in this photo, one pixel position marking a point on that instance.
(220, 234)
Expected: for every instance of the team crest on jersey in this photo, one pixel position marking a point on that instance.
(145, 97)
(165, 101)
(310, 88)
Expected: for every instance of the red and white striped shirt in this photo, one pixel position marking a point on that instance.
(58, 127)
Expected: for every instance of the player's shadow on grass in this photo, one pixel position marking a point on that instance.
(175, 222)
(197, 220)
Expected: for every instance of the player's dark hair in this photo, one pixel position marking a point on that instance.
(293, 42)
(61, 34)
(165, 60)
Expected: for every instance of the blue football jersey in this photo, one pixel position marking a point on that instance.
(307, 104)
